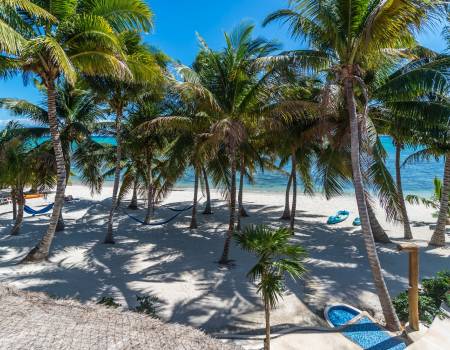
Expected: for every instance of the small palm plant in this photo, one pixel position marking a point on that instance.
(433, 202)
(277, 257)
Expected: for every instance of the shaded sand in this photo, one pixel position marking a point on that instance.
(34, 321)
(179, 266)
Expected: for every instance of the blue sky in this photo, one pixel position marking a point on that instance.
(176, 22)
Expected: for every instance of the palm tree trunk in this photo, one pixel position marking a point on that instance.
(241, 209)
(42, 250)
(150, 193)
(287, 210)
(267, 317)
(61, 225)
(194, 204)
(109, 238)
(208, 209)
(392, 322)
(19, 218)
(134, 199)
(294, 189)
(226, 249)
(14, 203)
(379, 234)
(242, 212)
(406, 225)
(438, 238)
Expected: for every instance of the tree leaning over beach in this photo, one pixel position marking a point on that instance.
(80, 37)
(351, 38)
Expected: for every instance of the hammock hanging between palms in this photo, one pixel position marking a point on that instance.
(160, 223)
(33, 212)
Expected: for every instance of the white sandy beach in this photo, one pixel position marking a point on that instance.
(179, 266)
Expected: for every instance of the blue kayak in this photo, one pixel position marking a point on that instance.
(357, 222)
(341, 216)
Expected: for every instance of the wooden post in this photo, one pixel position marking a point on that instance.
(413, 291)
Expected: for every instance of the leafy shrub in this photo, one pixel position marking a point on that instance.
(437, 287)
(401, 306)
(108, 302)
(427, 308)
(148, 305)
(447, 298)
(434, 292)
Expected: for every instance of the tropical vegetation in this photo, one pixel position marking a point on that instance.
(431, 297)
(277, 257)
(315, 115)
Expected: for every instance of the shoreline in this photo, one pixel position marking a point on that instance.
(257, 190)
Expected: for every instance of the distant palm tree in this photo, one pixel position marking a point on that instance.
(186, 150)
(434, 201)
(435, 144)
(230, 85)
(402, 108)
(295, 138)
(348, 41)
(120, 94)
(277, 257)
(20, 165)
(146, 148)
(77, 114)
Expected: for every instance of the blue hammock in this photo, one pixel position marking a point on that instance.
(33, 212)
(160, 223)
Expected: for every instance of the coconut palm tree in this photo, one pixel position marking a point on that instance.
(80, 37)
(231, 86)
(438, 238)
(436, 145)
(14, 27)
(351, 38)
(187, 126)
(77, 114)
(14, 170)
(299, 148)
(402, 108)
(120, 94)
(21, 165)
(295, 134)
(434, 201)
(277, 257)
(18, 168)
(146, 148)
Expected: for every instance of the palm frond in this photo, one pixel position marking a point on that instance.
(121, 14)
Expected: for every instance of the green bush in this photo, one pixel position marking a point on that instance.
(148, 305)
(108, 301)
(401, 306)
(427, 309)
(437, 287)
(434, 292)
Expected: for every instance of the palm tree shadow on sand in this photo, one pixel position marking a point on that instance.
(178, 266)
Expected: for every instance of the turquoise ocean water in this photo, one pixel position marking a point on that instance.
(417, 178)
